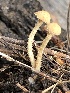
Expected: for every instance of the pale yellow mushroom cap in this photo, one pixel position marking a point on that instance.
(43, 16)
(54, 28)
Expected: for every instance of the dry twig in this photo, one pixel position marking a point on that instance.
(23, 88)
(68, 32)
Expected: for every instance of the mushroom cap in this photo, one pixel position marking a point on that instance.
(43, 16)
(54, 29)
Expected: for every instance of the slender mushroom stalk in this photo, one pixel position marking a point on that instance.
(43, 16)
(53, 29)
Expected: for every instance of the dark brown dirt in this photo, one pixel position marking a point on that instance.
(16, 21)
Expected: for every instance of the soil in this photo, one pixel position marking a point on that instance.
(17, 19)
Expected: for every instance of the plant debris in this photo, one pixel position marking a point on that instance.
(16, 73)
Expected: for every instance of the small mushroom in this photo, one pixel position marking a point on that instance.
(43, 16)
(53, 29)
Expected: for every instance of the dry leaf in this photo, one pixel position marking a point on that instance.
(59, 61)
(68, 91)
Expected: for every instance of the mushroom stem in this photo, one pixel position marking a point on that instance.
(40, 51)
(30, 41)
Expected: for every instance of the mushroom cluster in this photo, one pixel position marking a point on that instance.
(43, 16)
(53, 29)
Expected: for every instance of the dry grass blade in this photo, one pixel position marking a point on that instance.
(46, 90)
(53, 86)
(23, 88)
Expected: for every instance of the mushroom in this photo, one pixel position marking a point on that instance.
(43, 16)
(53, 29)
